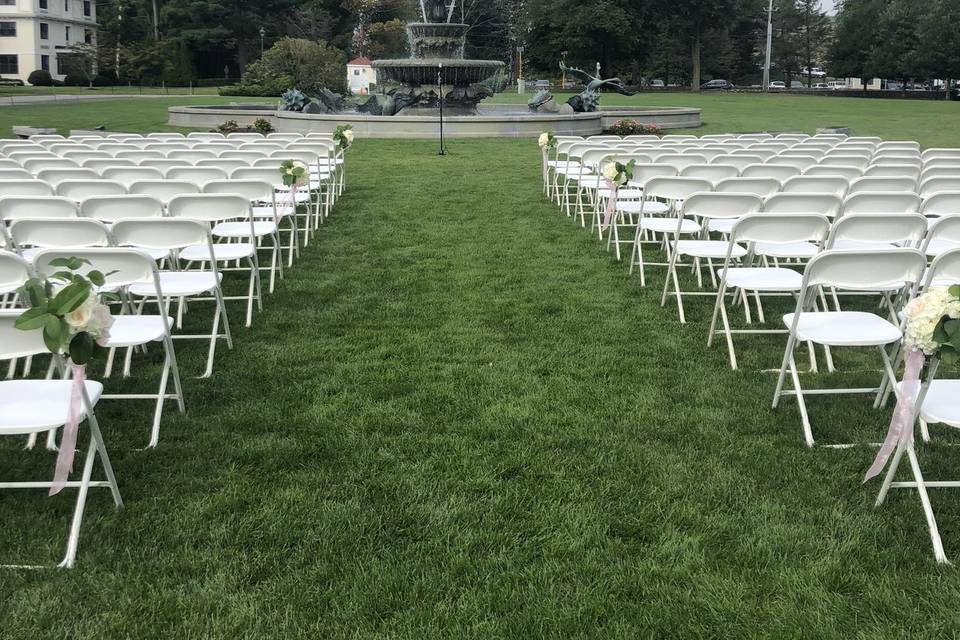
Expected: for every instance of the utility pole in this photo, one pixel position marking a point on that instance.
(766, 67)
(156, 22)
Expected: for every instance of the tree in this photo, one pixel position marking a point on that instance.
(81, 60)
(692, 19)
(855, 36)
(939, 57)
(302, 64)
(895, 54)
(787, 42)
(814, 30)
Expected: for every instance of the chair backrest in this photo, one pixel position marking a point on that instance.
(99, 164)
(784, 228)
(881, 202)
(944, 268)
(165, 136)
(111, 208)
(15, 174)
(941, 204)
(253, 190)
(817, 184)
(931, 186)
(36, 165)
(712, 172)
(122, 266)
(81, 155)
(933, 153)
(129, 175)
(262, 174)
(675, 188)
(927, 163)
(800, 162)
(862, 270)
(850, 173)
(885, 184)
(945, 228)
(78, 190)
(827, 204)
(888, 159)
(47, 206)
(196, 175)
(946, 171)
(846, 160)
(25, 188)
(893, 171)
(206, 135)
(763, 154)
(681, 160)
(14, 272)
(191, 156)
(908, 145)
(739, 161)
(721, 205)
(762, 187)
(779, 171)
(211, 207)
(56, 176)
(16, 343)
(164, 190)
(879, 228)
(59, 232)
(162, 233)
(245, 136)
(162, 165)
(139, 155)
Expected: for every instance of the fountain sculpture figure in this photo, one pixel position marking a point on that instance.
(436, 53)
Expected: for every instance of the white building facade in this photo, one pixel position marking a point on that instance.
(33, 32)
(360, 76)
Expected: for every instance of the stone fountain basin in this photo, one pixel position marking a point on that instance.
(493, 121)
(457, 73)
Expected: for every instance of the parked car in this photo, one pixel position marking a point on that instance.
(778, 85)
(796, 84)
(11, 82)
(816, 72)
(717, 85)
(820, 85)
(836, 85)
(543, 85)
(657, 84)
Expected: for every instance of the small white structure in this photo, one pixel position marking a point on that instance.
(875, 84)
(33, 33)
(360, 75)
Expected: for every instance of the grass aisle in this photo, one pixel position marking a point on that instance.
(459, 418)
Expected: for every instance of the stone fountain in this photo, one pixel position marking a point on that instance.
(436, 69)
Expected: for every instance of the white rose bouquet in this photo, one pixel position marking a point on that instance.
(933, 323)
(343, 136)
(618, 173)
(70, 311)
(547, 140)
(294, 173)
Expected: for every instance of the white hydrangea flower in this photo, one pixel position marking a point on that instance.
(544, 140)
(610, 171)
(923, 314)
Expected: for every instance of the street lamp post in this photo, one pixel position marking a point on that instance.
(563, 78)
(766, 66)
(263, 32)
(520, 71)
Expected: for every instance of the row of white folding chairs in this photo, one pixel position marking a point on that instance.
(194, 135)
(169, 151)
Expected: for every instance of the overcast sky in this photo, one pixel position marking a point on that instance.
(828, 6)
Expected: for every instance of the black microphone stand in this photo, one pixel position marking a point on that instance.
(440, 92)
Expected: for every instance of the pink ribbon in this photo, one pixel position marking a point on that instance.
(901, 425)
(545, 152)
(611, 205)
(68, 444)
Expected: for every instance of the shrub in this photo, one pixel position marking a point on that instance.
(634, 128)
(305, 64)
(40, 78)
(75, 80)
(230, 126)
(267, 87)
(103, 81)
(263, 126)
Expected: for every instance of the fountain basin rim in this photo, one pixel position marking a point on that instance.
(436, 62)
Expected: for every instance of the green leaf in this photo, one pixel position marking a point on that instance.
(82, 347)
(96, 277)
(35, 292)
(940, 333)
(70, 298)
(60, 262)
(949, 356)
(954, 291)
(53, 333)
(32, 319)
(66, 276)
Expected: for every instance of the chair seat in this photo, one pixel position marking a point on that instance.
(721, 225)
(764, 278)
(179, 283)
(283, 210)
(940, 404)
(786, 249)
(221, 252)
(622, 194)
(242, 229)
(709, 249)
(668, 225)
(131, 330)
(844, 328)
(650, 206)
(303, 195)
(32, 406)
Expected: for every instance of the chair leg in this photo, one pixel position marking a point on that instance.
(938, 552)
(158, 408)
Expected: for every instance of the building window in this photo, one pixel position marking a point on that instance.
(86, 8)
(8, 29)
(8, 64)
(45, 63)
(88, 36)
(66, 34)
(7, 3)
(44, 31)
(66, 6)
(43, 4)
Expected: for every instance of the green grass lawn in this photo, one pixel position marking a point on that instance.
(459, 417)
(30, 90)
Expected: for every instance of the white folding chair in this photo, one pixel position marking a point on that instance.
(847, 270)
(31, 407)
(216, 208)
(56, 176)
(712, 172)
(163, 190)
(781, 172)
(817, 184)
(125, 268)
(697, 209)
(752, 275)
(848, 172)
(931, 186)
(197, 175)
(14, 271)
(883, 184)
(80, 190)
(893, 171)
(129, 175)
(172, 236)
(763, 187)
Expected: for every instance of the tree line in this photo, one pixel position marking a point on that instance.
(679, 41)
